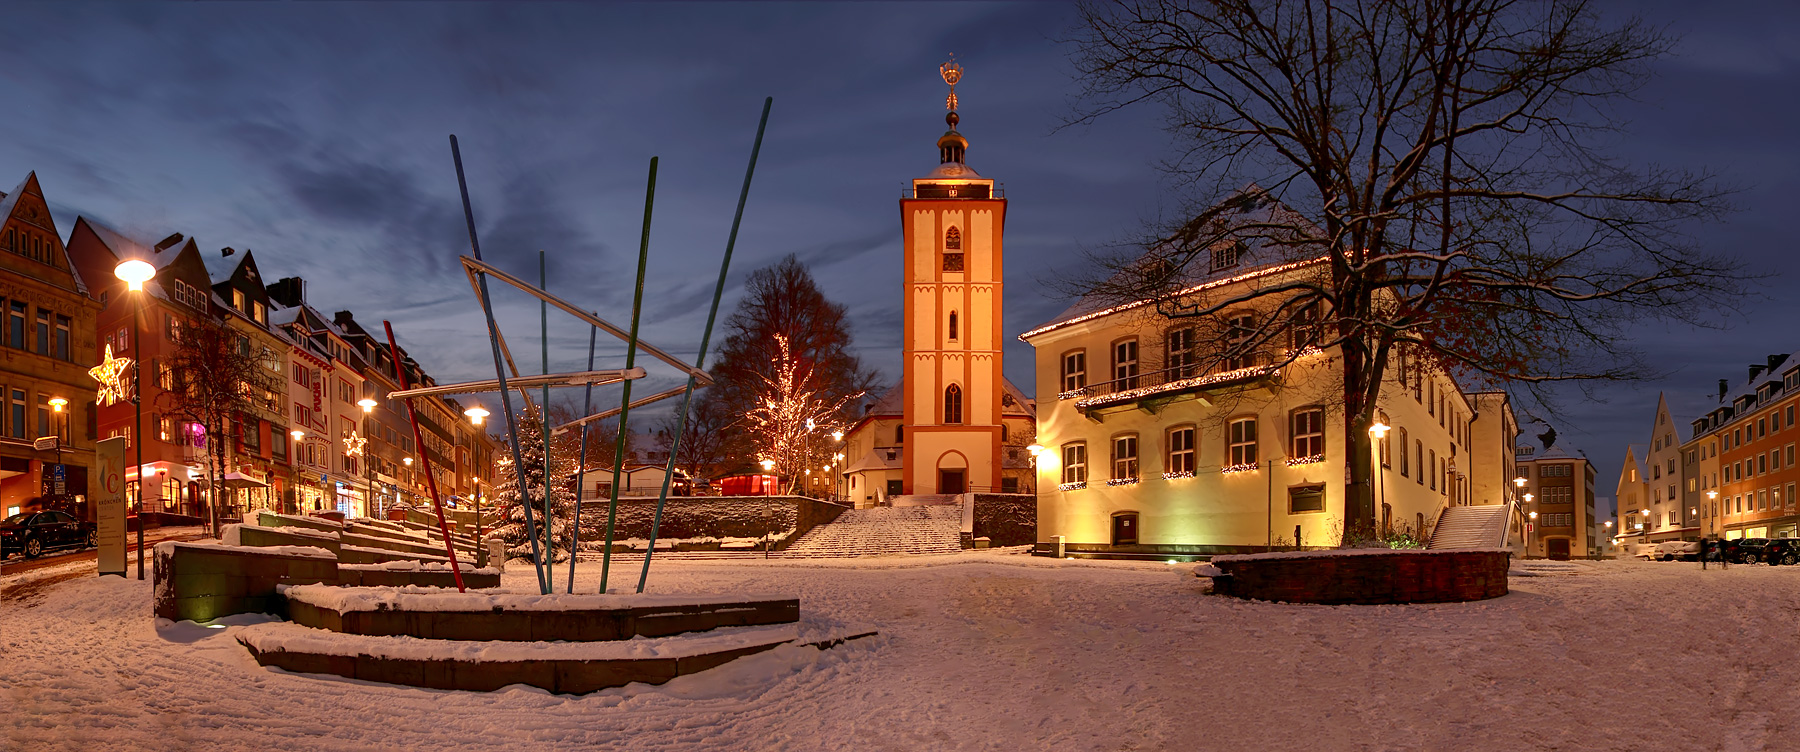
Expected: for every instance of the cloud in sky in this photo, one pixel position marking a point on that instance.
(316, 135)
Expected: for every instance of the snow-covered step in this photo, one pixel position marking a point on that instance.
(883, 531)
(1471, 527)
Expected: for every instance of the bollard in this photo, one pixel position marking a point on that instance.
(1059, 546)
(1296, 537)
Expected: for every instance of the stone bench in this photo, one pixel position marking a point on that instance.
(202, 582)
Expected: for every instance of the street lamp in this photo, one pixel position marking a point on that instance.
(135, 272)
(56, 405)
(1377, 431)
(476, 414)
(368, 407)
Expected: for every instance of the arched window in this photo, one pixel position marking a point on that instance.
(952, 325)
(953, 405)
(900, 434)
(953, 257)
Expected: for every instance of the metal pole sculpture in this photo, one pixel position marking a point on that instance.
(512, 421)
(705, 339)
(637, 303)
(437, 501)
(587, 403)
(544, 430)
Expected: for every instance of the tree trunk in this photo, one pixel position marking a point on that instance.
(1359, 499)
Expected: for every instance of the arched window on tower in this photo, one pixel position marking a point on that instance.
(953, 405)
(953, 257)
(952, 325)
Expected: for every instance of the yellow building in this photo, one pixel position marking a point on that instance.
(1147, 451)
(953, 424)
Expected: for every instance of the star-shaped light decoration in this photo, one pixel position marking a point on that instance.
(353, 444)
(111, 375)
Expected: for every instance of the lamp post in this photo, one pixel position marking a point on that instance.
(477, 415)
(135, 272)
(294, 459)
(368, 407)
(56, 405)
(1378, 431)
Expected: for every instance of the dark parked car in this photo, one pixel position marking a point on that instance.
(36, 532)
(1745, 550)
(1782, 551)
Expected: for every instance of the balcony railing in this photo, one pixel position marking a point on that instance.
(1167, 380)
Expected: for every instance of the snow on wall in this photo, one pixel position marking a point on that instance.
(295, 638)
(696, 517)
(415, 598)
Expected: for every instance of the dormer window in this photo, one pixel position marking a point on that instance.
(1227, 255)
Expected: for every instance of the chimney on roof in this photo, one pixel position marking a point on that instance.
(169, 241)
(289, 292)
(1775, 362)
(227, 251)
(1724, 386)
(1754, 370)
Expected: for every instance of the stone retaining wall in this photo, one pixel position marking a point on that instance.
(204, 582)
(1365, 578)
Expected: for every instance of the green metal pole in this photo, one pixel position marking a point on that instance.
(544, 429)
(705, 341)
(587, 407)
(637, 304)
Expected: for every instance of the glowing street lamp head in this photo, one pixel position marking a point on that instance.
(408, 461)
(1519, 482)
(476, 414)
(1646, 512)
(767, 465)
(367, 404)
(135, 272)
(1712, 494)
(1378, 429)
(1529, 497)
(57, 404)
(837, 435)
(1035, 449)
(1609, 524)
(1534, 515)
(297, 434)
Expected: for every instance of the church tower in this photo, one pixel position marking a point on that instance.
(953, 223)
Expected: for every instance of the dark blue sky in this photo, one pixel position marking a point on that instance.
(315, 134)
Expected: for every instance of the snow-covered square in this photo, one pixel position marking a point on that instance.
(989, 650)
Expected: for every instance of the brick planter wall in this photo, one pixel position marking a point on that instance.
(1387, 577)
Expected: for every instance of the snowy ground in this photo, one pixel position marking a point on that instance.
(990, 651)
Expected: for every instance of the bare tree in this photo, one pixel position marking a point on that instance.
(214, 377)
(783, 300)
(1435, 183)
(704, 440)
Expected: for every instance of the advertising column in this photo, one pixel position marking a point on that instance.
(109, 508)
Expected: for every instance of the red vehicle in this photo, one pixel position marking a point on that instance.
(33, 533)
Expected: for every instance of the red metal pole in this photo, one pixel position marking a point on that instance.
(425, 460)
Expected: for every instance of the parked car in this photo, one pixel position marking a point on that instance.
(1645, 551)
(1678, 549)
(33, 533)
(1745, 550)
(1782, 551)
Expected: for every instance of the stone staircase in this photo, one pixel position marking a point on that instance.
(1482, 526)
(883, 531)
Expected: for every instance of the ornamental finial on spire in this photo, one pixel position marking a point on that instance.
(952, 73)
